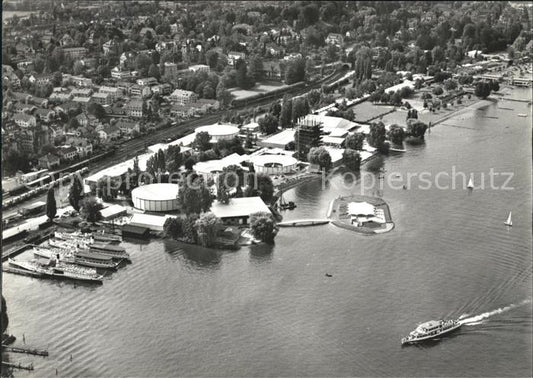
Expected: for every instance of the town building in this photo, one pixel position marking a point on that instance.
(114, 92)
(134, 108)
(183, 97)
(234, 56)
(75, 52)
(24, 120)
(238, 210)
(335, 39)
(199, 68)
(128, 127)
(146, 81)
(102, 98)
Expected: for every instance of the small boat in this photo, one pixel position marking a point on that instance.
(431, 330)
(470, 184)
(509, 221)
(286, 205)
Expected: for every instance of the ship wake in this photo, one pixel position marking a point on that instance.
(466, 319)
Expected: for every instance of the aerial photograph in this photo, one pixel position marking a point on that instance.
(266, 188)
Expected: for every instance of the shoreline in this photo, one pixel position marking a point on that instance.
(474, 106)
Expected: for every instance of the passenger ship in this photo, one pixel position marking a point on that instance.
(431, 330)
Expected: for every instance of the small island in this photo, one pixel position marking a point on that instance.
(364, 214)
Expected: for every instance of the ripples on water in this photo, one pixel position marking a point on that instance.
(270, 310)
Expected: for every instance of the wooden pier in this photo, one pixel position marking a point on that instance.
(18, 366)
(35, 352)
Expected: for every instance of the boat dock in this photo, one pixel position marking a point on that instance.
(14, 252)
(22, 272)
(17, 366)
(303, 222)
(36, 352)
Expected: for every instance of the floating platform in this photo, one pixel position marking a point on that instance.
(303, 222)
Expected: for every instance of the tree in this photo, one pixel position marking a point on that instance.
(75, 193)
(355, 141)
(107, 188)
(207, 227)
(96, 110)
(396, 134)
(173, 227)
(194, 196)
(495, 86)
(416, 128)
(15, 161)
(320, 156)
(285, 116)
(268, 124)
(5, 318)
(295, 71)
(223, 95)
(256, 68)
(376, 138)
(261, 185)
(202, 141)
(482, 89)
(244, 81)
(90, 209)
(300, 108)
(313, 98)
(309, 14)
(437, 91)
(142, 63)
(153, 71)
(450, 85)
(51, 206)
(351, 159)
(263, 227)
(211, 58)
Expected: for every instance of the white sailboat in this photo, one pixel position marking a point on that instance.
(470, 184)
(509, 221)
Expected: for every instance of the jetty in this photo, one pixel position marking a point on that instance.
(36, 352)
(17, 366)
(22, 272)
(303, 222)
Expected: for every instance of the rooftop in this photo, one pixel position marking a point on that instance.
(156, 192)
(239, 207)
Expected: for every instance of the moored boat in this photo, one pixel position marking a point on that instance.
(106, 237)
(74, 237)
(431, 330)
(59, 270)
(83, 258)
(114, 251)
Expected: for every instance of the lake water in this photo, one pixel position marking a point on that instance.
(271, 311)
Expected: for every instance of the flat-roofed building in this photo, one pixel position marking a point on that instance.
(102, 98)
(183, 97)
(238, 210)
